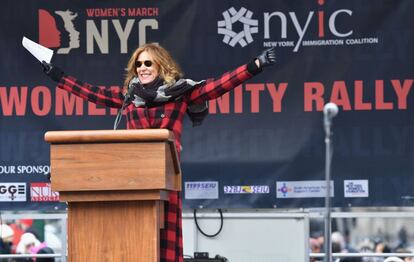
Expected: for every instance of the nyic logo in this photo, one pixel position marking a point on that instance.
(51, 32)
(243, 16)
(287, 29)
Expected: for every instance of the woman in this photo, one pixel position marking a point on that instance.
(155, 96)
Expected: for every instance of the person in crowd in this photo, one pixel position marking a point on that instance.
(339, 246)
(406, 251)
(392, 259)
(402, 238)
(315, 247)
(19, 227)
(45, 250)
(6, 239)
(155, 95)
(29, 244)
(366, 246)
(381, 247)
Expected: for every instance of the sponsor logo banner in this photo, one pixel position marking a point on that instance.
(201, 190)
(302, 189)
(246, 189)
(63, 31)
(356, 188)
(231, 17)
(293, 30)
(15, 192)
(42, 192)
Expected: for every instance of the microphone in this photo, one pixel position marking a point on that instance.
(330, 110)
(131, 87)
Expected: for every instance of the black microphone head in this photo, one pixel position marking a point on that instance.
(132, 83)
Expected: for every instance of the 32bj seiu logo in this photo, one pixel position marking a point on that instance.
(58, 33)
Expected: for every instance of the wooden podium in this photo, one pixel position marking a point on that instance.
(115, 183)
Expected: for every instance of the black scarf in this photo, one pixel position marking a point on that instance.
(157, 93)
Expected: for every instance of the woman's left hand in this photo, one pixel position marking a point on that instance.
(267, 58)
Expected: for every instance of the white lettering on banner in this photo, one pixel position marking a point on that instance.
(27, 170)
(360, 41)
(7, 170)
(12, 192)
(101, 37)
(301, 30)
(332, 25)
(33, 170)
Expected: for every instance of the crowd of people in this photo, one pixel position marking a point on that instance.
(21, 237)
(376, 246)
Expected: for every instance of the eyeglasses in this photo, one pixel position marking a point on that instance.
(147, 63)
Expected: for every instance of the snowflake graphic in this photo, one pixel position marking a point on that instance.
(231, 16)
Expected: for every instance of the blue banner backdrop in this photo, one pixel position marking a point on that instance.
(262, 146)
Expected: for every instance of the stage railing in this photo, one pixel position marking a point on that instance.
(61, 217)
(250, 214)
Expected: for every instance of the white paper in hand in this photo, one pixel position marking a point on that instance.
(40, 52)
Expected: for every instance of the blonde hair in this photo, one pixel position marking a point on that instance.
(168, 69)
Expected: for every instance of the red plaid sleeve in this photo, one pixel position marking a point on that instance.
(111, 97)
(214, 88)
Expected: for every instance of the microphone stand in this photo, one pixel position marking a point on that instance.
(119, 115)
(124, 103)
(327, 216)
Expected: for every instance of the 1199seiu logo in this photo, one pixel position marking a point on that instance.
(316, 28)
(201, 190)
(67, 30)
(12, 192)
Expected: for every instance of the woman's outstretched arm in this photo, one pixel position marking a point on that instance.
(110, 97)
(214, 88)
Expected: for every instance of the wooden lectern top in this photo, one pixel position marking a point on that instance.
(113, 161)
(93, 136)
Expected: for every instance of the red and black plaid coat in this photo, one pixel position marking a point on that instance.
(169, 116)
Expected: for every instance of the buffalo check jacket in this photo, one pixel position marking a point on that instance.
(170, 116)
